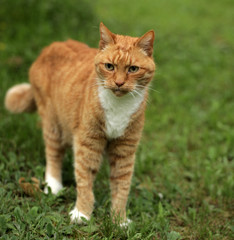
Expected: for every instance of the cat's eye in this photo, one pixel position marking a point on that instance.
(109, 66)
(133, 69)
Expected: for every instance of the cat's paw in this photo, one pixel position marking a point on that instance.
(54, 185)
(76, 216)
(125, 223)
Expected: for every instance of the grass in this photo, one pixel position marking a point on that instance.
(183, 183)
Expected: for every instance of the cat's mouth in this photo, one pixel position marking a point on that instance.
(119, 92)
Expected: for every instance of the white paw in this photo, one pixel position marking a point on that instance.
(126, 223)
(76, 216)
(54, 184)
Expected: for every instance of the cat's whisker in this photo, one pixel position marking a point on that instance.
(150, 88)
(141, 95)
(135, 91)
(153, 89)
(132, 94)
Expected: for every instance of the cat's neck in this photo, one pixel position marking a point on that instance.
(118, 110)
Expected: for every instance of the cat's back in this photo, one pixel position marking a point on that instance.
(60, 54)
(60, 58)
(82, 50)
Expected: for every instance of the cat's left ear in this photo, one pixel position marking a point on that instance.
(146, 43)
(106, 36)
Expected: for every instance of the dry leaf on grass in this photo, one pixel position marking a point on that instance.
(30, 188)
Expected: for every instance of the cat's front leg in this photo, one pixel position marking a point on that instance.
(122, 156)
(88, 155)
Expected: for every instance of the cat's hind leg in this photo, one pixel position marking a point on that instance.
(54, 155)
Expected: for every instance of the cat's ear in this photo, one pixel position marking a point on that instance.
(106, 36)
(146, 43)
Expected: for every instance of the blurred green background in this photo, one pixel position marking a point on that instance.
(183, 183)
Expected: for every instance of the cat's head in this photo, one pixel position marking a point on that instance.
(124, 64)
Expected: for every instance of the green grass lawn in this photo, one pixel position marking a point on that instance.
(183, 184)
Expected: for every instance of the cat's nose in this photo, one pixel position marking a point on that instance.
(119, 83)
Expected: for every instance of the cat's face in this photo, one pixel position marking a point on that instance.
(124, 64)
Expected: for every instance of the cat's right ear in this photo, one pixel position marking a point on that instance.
(106, 36)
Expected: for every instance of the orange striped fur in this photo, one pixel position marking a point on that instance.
(93, 100)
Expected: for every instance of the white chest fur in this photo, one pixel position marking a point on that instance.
(118, 110)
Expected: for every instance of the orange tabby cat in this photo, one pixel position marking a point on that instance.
(93, 100)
